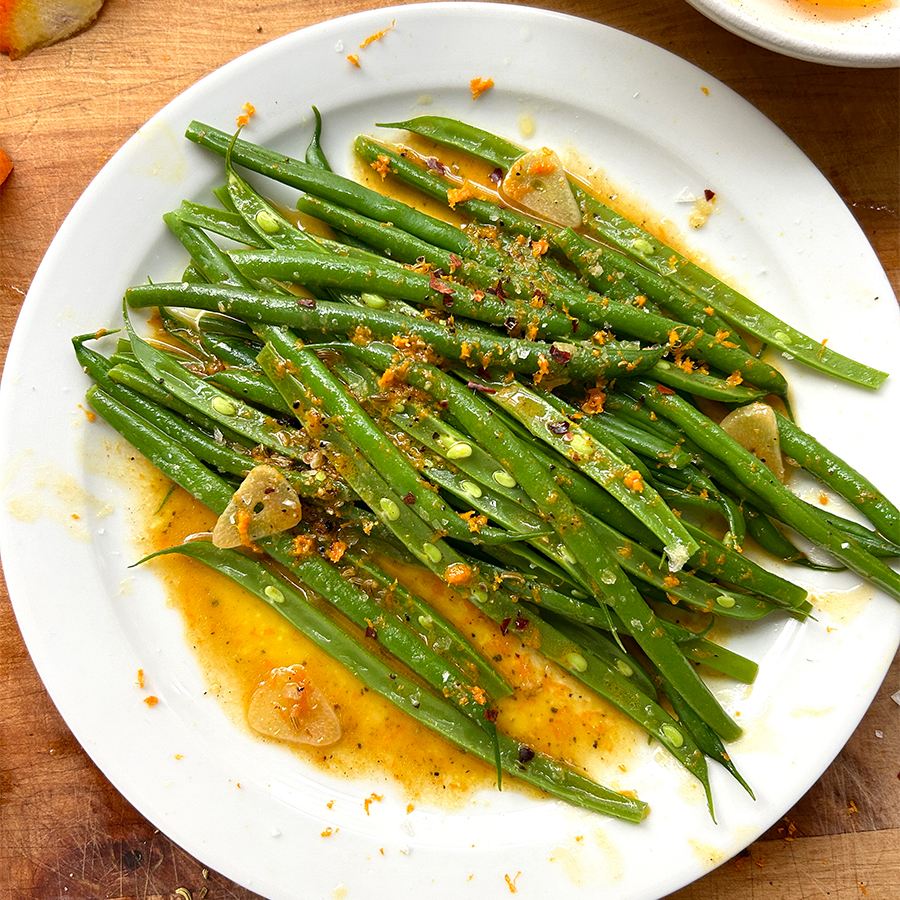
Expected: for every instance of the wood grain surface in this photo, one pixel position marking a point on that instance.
(64, 831)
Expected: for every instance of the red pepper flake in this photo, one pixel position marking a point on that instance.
(504, 628)
(491, 714)
(496, 176)
(475, 386)
(511, 323)
(478, 296)
(710, 195)
(521, 624)
(558, 427)
(664, 389)
(479, 85)
(371, 631)
(441, 287)
(526, 754)
(455, 262)
(560, 356)
(433, 163)
(306, 302)
(409, 499)
(574, 325)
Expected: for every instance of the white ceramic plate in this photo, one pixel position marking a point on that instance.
(854, 33)
(657, 126)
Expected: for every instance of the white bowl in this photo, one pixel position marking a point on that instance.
(864, 36)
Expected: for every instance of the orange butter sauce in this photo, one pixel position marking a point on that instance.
(237, 640)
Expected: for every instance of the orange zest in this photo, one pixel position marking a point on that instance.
(249, 110)
(377, 36)
(6, 166)
(479, 85)
(382, 165)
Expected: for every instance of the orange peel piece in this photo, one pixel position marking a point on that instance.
(26, 25)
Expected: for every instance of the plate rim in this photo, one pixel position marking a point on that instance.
(369, 15)
(753, 26)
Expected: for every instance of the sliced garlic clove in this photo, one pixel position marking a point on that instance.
(287, 705)
(537, 182)
(264, 504)
(755, 428)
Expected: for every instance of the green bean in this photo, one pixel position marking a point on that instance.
(476, 141)
(198, 442)
(469, 344)
(315, 155)
(219, 221)
(216, 267)
(436, 187)
(644, 565)
(634, 241)
(720, 348)
(607, 579)
(819, 461)
(757, 477)
(383, 278)
(233, 352)
(333, 187)
(703, 735)
(601, 674)
(728, 302)
(596, 263)
(573, 442)
(695, 647)
(218, 405)
(605, 648)
(436, 631)
(132, 376)
(702, 384)
(640, 441)
(771, 539)
(252, 387)
(346, 416)
(487, 502)
(398, 244)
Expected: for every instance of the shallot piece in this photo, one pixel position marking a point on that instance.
(755, 428)
(287, 705)
(538, 183)
(264, 504)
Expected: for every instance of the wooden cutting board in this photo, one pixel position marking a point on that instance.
(64, 831)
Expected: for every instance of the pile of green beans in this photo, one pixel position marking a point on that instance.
(475, 401)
